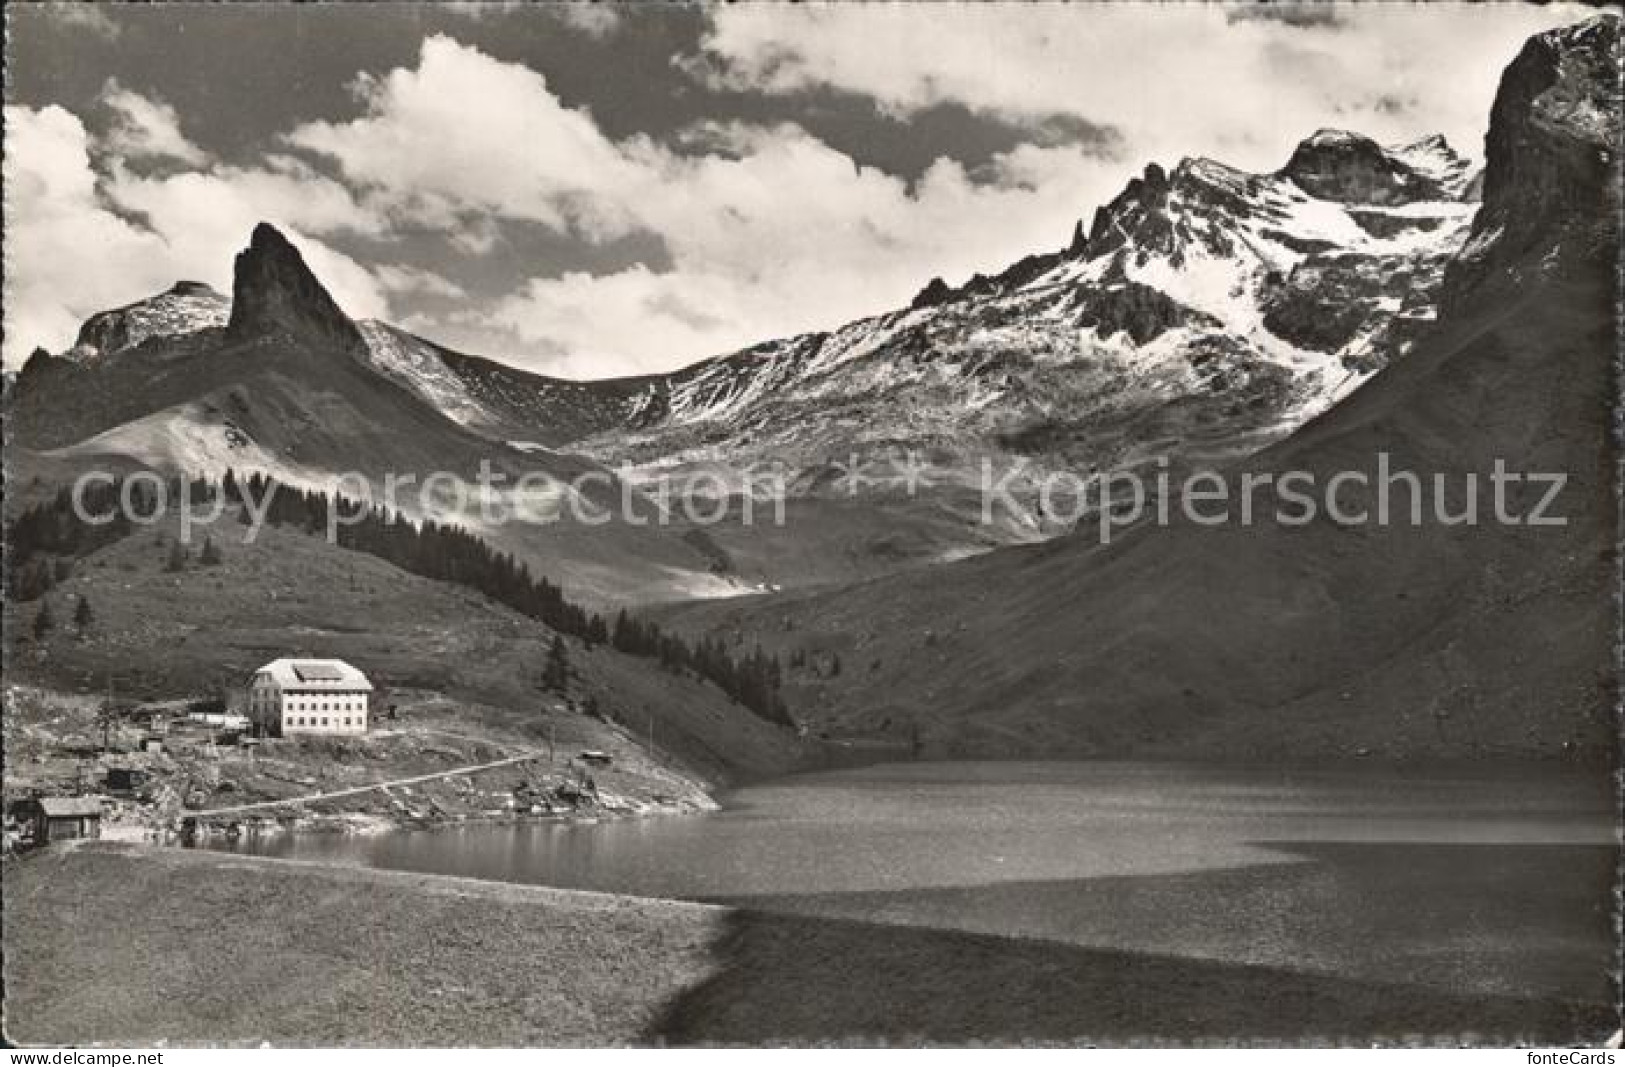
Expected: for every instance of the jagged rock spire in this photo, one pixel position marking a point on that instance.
(273, 290)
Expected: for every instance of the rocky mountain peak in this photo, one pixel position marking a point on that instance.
(274, 291)
(183, 308)
(1138, 207)
(1351, 168)
(1551, 178)
(1436, 143)
(935, 292)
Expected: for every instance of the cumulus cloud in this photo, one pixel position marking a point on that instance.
(57, 230)
(789, 235)
(144, 128)
(80, 240)
(425, 127)
(1182, 79)
(768, 229)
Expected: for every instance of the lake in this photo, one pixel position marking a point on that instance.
(1481, 881)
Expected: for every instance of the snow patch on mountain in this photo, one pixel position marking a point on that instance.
(185, 308)
(416, 364)
(1227, 306)
(192, 437)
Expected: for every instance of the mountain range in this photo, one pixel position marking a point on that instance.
(1203, 314)
(1271, 640)
(1361, 298)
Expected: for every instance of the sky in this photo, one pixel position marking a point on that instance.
(591, 190)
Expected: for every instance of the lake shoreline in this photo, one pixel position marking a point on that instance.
(365, 822)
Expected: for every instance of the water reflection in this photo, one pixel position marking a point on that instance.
(1492, 881)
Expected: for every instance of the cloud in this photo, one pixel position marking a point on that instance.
(538, 160)
(81, 239)
(1238, 84)
(788, 236)
(1302, 16)
(85, 18)
(145, 128)
(65, 256)
(592, 17)
(595, 18)
(396, 278)
(767, 230)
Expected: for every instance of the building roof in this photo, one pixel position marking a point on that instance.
(69, 807)
(316, 675)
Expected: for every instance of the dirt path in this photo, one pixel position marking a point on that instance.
(351, 791)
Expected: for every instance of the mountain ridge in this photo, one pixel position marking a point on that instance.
(286, 388)
(1205, 313)
(1268, 641)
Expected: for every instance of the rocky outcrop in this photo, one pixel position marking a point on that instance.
(1338, 165)
(273, 291)
(936, 293)
(1551, 180)
(1136, 214)
(1347, 304)
(1137, 310)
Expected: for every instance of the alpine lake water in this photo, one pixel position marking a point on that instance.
(1478, 881)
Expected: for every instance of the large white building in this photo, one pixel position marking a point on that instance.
(309, 696)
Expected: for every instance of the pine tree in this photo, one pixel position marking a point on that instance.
(177, 558)
(43, 620)
(210, 556)
(556, 672)
(82, 615)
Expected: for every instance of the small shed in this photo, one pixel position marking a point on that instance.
(64, 818)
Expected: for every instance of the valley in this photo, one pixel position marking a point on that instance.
(1360, 300)
(758, 701)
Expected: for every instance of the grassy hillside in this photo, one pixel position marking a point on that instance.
(205, 402)
(159, 634)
